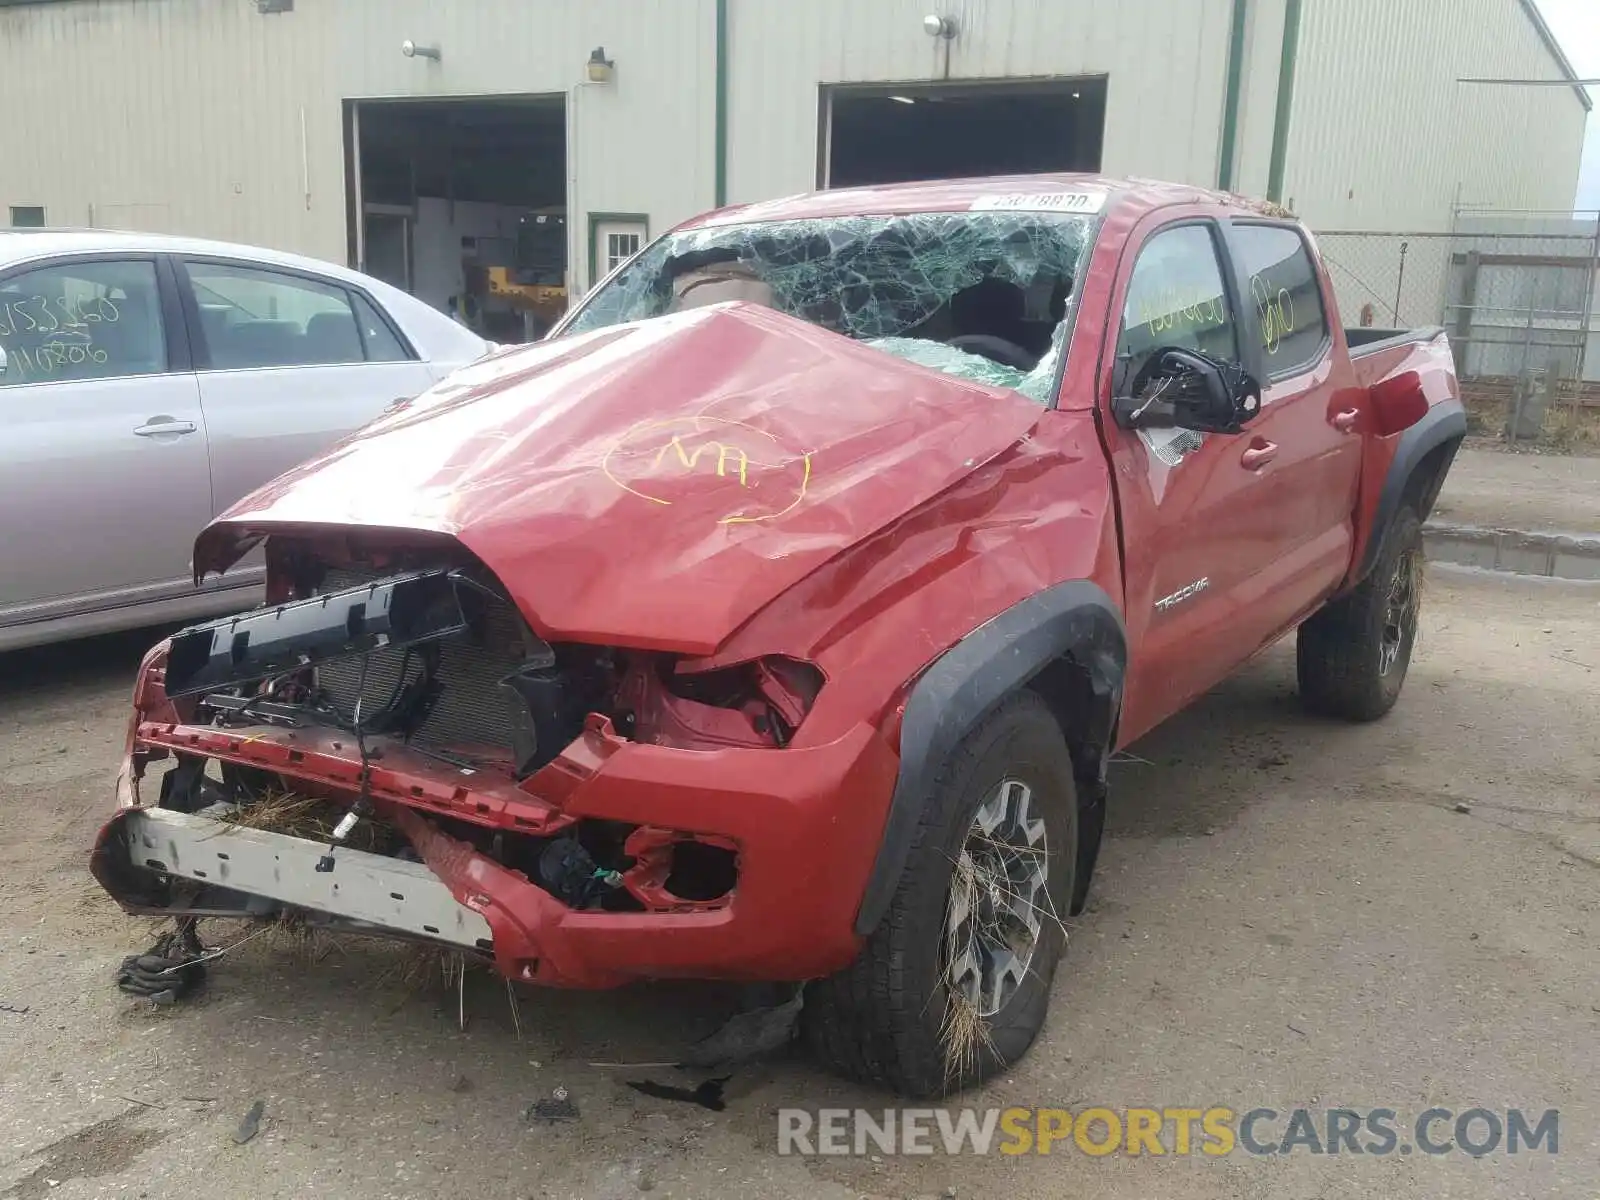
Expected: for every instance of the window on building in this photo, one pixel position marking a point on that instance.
(27, 216)
(620, 247)
(252, 317)
(1176, 298)
(1286, 293)
(86, 320)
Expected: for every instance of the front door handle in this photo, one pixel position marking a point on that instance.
(1345, 421)
(1259, 455)
(157, 426)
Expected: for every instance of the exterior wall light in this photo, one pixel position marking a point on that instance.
(600, 68)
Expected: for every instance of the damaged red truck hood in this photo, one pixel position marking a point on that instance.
(650, 485)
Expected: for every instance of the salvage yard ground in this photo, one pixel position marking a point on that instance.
(1289, 913)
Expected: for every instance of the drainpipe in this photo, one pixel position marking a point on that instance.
(1230, 102)
(721, 150)
(1280, 124)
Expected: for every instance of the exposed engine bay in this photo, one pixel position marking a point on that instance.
(464, 675)
(407, 656)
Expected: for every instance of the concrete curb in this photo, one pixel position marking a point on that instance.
(1519, 551)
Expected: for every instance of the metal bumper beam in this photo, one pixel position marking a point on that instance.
(387, 895)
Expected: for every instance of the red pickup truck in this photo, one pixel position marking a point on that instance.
(775, 619)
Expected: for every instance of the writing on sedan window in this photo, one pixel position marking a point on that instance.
(54, 334)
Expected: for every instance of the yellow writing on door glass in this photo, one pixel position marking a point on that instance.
(1276, 310)
(1165, 309)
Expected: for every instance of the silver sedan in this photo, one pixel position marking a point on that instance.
(149, 382)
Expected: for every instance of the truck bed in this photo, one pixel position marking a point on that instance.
(1390, 356)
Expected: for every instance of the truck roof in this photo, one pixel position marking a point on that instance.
(1093, 192)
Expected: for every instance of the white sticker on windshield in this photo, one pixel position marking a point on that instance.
(1066, 202)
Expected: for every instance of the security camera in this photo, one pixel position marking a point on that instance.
(411, 50)
(408, 48)
(939, 27)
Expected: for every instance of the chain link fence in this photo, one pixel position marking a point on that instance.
(1515, 292)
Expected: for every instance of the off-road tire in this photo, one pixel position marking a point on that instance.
(880, 1020)
(1340, 654)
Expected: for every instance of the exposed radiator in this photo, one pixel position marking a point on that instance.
(471, 708)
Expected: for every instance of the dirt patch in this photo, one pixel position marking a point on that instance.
(104, 1148)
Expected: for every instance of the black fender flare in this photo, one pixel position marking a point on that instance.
(1445, 422)
(1075, 620)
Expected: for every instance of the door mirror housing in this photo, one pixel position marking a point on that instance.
(1185, 389)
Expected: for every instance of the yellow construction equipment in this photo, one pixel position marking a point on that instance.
(535, 287)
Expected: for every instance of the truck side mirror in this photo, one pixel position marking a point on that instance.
(1186, 389)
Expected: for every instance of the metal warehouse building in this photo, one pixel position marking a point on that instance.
(435, 141)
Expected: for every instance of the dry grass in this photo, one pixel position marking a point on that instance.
(1567, 428)
(964, 1031)
(314, 819)
(303, 941)
(1418, 565)
(965, 1035)
(418, 967)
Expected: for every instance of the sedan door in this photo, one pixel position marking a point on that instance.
(104, 477)
(289, 363)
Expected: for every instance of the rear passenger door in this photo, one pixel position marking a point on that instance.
(1311, 408)
(288, 363)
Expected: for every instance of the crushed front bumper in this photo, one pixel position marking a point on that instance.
(804, 824)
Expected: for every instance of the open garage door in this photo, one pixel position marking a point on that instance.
(463, 203)
(894, 133)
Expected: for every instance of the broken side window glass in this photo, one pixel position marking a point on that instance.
(983, 296)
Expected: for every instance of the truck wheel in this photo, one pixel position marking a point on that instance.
(953, 984)
(1352, 655)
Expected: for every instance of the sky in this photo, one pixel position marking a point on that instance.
(1576, 24)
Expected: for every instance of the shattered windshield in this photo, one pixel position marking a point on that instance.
(980, 295)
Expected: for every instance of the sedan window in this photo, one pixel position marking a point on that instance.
(380, 340)
(81, 320)
(251, 317)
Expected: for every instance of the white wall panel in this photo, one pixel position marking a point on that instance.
(183, 115)
(187, 115)
(1382, 135)
(1165, 59)
(640, 143)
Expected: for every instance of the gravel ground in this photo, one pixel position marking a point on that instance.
(1287, 913)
